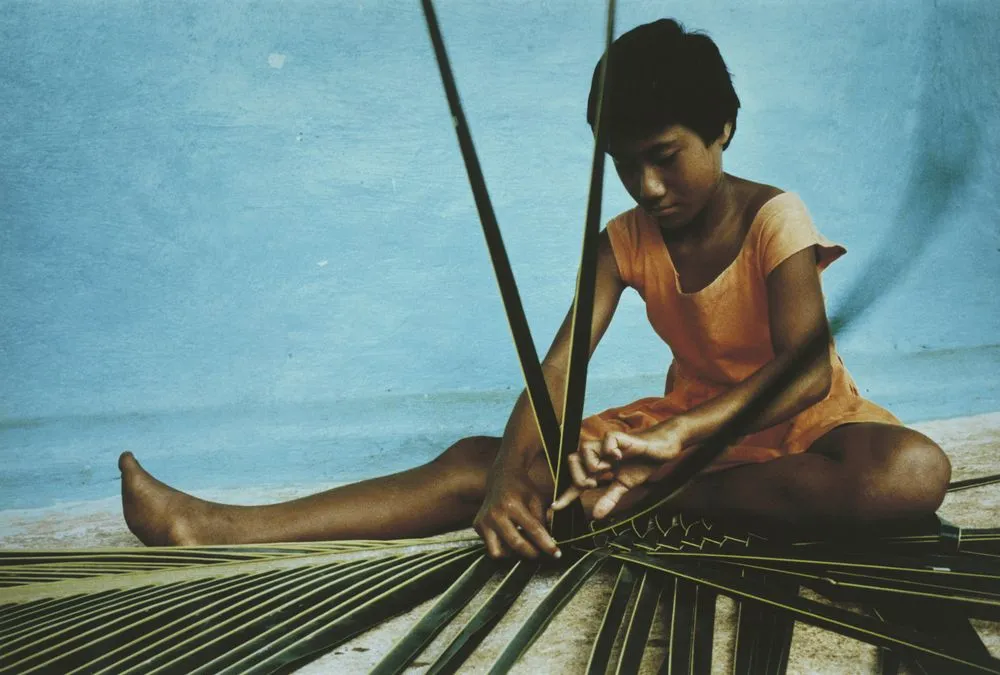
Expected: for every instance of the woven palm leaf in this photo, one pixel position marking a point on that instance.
(265, 613)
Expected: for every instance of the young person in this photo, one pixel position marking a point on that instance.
(730, 272)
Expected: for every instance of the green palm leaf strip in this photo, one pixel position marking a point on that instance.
(832, 582)
(831, 618)
(444, 610)
(198, 626)
(33, 566)
(211, 630)
(244, 645)
(690, 613)
(583, 303)
(949, 626)
(888, 662)
(936, 597)
(568, 584)
(641, 621)
(389, 598)
(487, 616)
(969, 569)
(58, 644)
(537, 390)
(678, 605)
(763, 635)
(130, 623)
(97, 613)
(968, 483)
(775, 641)
(14, 613)
(749, 618)
(704, 630)
(953, 581)
(613, 620)
(45, 613)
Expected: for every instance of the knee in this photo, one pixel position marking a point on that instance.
(473, 452)
(911, 480)
(930, 469)
(467, 464)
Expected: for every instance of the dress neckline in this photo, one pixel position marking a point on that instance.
(732, 263)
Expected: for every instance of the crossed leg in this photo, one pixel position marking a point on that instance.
(865, 473)
(856, 474)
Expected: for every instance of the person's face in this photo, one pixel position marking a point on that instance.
(671, 174)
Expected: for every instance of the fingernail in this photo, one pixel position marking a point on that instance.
(558, 554)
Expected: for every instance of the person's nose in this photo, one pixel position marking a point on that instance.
(652, 189)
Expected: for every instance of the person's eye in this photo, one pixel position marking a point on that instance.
(666, 160)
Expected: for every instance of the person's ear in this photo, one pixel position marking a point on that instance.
(727, 132)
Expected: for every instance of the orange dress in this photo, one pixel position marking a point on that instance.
(719, 336)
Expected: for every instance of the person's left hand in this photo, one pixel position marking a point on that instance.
(620, 462)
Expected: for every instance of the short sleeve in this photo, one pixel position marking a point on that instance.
(783, 228)
(625, 242)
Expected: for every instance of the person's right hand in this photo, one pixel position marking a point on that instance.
(512, 517)
(622, 462)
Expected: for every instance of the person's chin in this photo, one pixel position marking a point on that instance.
(670, 219)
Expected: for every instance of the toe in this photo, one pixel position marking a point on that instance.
(127, 462)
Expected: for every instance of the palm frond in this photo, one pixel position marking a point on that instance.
(690, 629)
(484, 619)
(30, 566)
(444, 610)
(276, 612)
(640, 621)
(564, 589)
(831, 618)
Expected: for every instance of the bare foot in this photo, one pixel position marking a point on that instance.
(156, 513)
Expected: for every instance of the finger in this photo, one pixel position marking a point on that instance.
(605, 477)
(515, 540)
(534, 528)
(493, 546)
(609, 499)
(614, 444)
(577, 473)
(565, 499)
(590, 452)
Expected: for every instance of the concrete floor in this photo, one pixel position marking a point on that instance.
(973, 443)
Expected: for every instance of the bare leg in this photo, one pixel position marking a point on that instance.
(856, 474)
(442, 495)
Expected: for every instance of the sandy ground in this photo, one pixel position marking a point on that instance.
(972, 443)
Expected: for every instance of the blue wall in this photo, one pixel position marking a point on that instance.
(244, 232)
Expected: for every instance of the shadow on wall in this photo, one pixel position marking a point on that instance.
(948, 135)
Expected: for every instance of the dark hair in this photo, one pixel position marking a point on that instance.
(660, 75)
